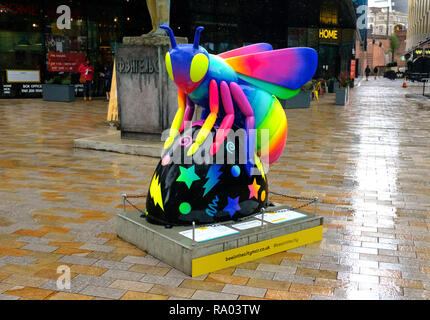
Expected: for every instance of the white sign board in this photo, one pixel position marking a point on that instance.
(22, 76)
(208, 233)
(247, 225)
(281, 216)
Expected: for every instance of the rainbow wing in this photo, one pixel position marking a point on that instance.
(289, 68)
(253, 48)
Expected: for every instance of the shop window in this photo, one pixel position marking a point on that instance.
(329, 13)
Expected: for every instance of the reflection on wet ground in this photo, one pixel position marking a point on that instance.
(368, 162)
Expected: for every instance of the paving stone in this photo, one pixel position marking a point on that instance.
(135, 295)
(282, 276)
(80, 282)
(8, 297)
(97, 247)
(112, 265)
(209, 295)
(21, 261)
(174, 273)
(150, 278)
(69, 296)
(131, 285)
(254, 273)
(103, 292)
(172, 291)
(121, 274)
(244, 290)
(275, 268)
(25, 280)
(39, 247)
(78, 260)
(149, 260)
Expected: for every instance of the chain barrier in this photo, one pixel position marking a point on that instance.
(135, 196)
(310, 200)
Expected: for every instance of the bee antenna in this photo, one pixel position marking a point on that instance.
(172, 37)
(197, 37)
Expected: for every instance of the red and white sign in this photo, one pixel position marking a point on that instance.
(352, 74)
(65, 62)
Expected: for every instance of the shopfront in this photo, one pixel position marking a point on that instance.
(328, 26)
(45, 41)
(33, 44)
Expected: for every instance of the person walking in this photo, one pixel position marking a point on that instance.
(375, 72)
(107, 76)
(87, 73)
(367, 71)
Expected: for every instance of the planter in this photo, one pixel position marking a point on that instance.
(342, 96)
(301, 100)
(336, 86)
(58, 92)
(330, 86)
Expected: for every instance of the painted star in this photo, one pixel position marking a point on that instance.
(253, 189)
(232, 206)
(188, 176)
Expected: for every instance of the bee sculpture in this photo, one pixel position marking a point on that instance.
(249, 81)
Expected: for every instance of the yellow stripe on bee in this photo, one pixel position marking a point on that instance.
(177, 121)
(203, 133)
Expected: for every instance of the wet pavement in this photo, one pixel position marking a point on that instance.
(368, 162)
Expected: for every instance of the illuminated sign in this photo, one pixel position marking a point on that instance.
(418, 52)
(352, 73)
(427, 52)
(329, 34)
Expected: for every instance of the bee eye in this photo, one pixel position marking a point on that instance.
(199, 67)
(169, 66)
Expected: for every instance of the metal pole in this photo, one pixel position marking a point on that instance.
(124, 197)
(316, 206)
(262, 217)
(388, 19)
(194, 231)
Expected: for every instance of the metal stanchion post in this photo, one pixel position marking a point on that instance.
(124, 198)
(262, 217)
(316, 205)
(194, 232)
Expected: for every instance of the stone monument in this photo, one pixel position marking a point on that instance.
(147, 100)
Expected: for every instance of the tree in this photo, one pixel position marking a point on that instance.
(394, 44)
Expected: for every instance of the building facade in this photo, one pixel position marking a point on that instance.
(379, 54)
(384, 22)
(31, 43)
(328, 26)
(30, 40)
(418, 26)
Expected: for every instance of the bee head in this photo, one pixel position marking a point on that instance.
(187, 64)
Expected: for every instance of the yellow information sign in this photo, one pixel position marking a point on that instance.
(229, 258)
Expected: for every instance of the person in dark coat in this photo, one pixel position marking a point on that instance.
(367, 71)
(107, 76)
(375, 72)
